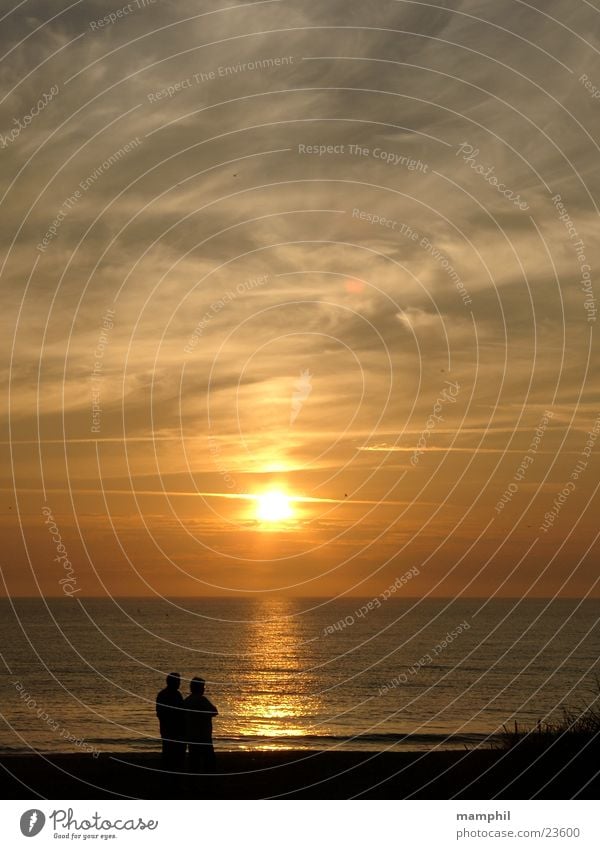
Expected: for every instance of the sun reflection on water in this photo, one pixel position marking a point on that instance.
(276, 701)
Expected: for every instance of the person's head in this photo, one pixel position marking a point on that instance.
(197, 686)
(173, 680)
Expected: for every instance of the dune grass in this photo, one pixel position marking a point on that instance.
(576, 728)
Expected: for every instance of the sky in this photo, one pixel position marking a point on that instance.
(342, 252)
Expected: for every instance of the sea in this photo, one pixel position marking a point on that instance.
(357, 674)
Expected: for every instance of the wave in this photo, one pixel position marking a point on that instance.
(314, 742)
(384, 738)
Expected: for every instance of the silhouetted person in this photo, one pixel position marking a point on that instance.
(199, 712)
(171, 717)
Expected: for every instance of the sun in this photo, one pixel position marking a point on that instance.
(273, 506)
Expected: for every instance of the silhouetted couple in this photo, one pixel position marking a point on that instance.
(186, 723)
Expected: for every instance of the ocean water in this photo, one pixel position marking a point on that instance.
(82, 674)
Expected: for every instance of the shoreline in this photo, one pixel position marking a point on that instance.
(301, 774)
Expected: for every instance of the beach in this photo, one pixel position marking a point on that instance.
(476, 774)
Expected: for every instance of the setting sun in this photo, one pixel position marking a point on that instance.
(273, 507)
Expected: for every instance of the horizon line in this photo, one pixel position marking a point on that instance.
(254, 595)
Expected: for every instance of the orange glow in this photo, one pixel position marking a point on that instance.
(274, 506)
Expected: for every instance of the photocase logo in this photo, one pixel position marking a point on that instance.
(32, 822)
(302, 389)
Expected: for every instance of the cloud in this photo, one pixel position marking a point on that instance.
(382, 278)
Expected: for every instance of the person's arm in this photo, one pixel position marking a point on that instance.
(212, 709)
